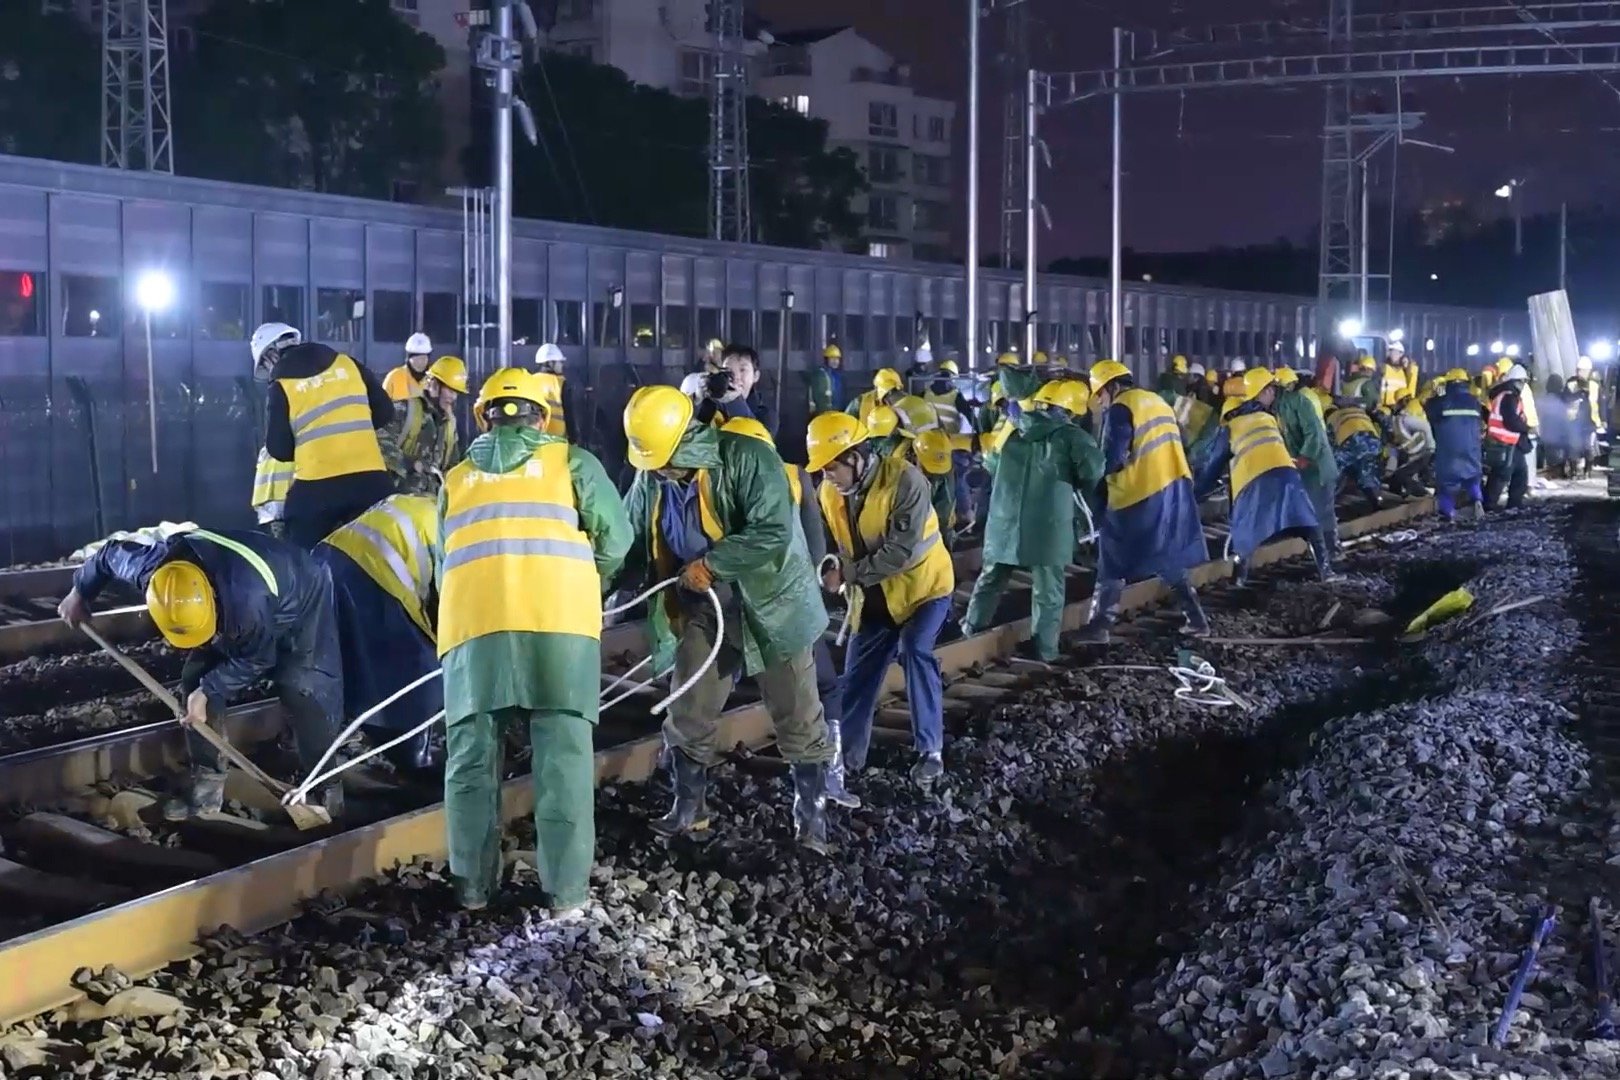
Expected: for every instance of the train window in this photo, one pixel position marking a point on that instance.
(740, 328)
(1182, 348)
(440, 319)
(770, 330)
(283, 303)
(22, 308)
(1073, 341)
(334, 314)
(1228, 344)
(1130, 341)
(855, 332)
(708, 326)
(570, 321)
(91, 306)
(831, 330)
(905, 331)
(607, 324)
(393, 315)
(526, 328)
(677, 326)
(950, 334)
(643, 326)
(882, 334)
(799, 331)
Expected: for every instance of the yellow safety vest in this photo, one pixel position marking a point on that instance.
(1192, 415)
(864, 404)
(415, 416)
(1349, 421)
(930, 574)
(1393, 387)
(1257, 447)
(1527, 396)
(794, 486)
(271, 479)
(951, 419)
(393, 543)
(330, 416)
(556, 415)
(515, 559)
(993, 440)
(402, 383)
(1157, 457)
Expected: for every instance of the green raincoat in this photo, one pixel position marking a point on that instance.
(1031, 519)
(1306, 437)
(761, 553)
(529, 670)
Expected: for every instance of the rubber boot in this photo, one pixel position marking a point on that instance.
(1104, 611)
(690, 814)
(1324, 559)
(810, 806)
(927, 768)
(836, 791)
(204, 793)
(1197, 624)
(415, 757)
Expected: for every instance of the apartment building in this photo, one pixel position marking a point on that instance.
(902, 138)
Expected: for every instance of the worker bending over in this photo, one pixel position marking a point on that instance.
(1030, 525)
(247, 608)
(405, 381)
(386, 601)
(713, 508)
(1509, 440)
(1413, 441)
(1151, 527)
(531, 533)
(934, 456)
(427, 427)
(896, 576)
(272, 480)
(1305, 434)
(1357, 448)
(324, 415)
(1458, 421)
(886, 390)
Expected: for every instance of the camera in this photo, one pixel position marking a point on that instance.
(717, 384)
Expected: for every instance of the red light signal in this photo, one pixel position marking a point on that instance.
(25, 285)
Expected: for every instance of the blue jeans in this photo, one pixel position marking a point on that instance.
(876, 645)
(961, 462)
(1445, 497)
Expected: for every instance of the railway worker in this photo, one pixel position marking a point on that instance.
(713, 508)
(271, 481)
(956, 419)
(827, 382)
(1018, 381)
(888, 433)
(1358, 448)
(1195, 405)
(405, 381)
(897, 577)
(552, 367)
(427, 427)
(1172, 380)
(325, 413)
(1591, 385)
(933, 454)
(1413, 441)
(1509, 440)
(1268, 496)
(1151, 526)
(531, 533)
(246, 608)
(887, 389)
(386, 604)
(1030, 524)
(1400, 377)
(1459, 426)
(1363, 386)
(1305, 434)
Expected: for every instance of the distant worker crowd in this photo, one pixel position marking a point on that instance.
(397, 563)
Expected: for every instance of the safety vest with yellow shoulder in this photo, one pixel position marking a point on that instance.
(330, 416)
(401, 383)
(393, 543)
(930, 574)
(1350, 420)
(1257, 447)
(1157, 458)
(515, 558)
(271, 479)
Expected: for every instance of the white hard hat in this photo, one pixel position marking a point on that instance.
(549, 354)
(694, 384)
(1238, 365)
(925, 353)
(272, 333)
(418, 344)
(1516, 373)
(1195, 369)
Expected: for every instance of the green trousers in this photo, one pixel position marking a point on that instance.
(564, 802)
(1046, 612)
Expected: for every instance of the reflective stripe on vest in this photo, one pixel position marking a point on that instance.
(271, 479)
(393, 543)
(402, 383)
(330, 415)
(1495, 429)
(1257, 447)
(1193, 415)
(928, 576)
(1349, 421)
(1157, 458)
(515, 559)
(950, 417)
(252, 557)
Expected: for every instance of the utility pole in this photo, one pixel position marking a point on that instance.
(135, 129)
(507, 57)
(1116, 274)
(1563, 245)
(1014, 63)
(729, 211)
(1339, 279)
(972, 336)
(1031, 305)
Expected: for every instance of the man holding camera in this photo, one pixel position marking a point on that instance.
(733, 390)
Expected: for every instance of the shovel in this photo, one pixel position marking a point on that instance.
(305, 817)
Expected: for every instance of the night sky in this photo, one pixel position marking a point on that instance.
(1234, 166)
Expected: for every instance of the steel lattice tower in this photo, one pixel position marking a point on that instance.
(729, 217)
(1015, 65)
(1339, 272)
(135, 130)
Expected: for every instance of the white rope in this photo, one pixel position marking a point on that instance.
(1091, 522)
(634, 689)
(297, 794)
(610, 687)
(1200, 686)
(315, 779)
(829, 563)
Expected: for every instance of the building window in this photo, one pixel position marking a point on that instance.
(21, 309)
(883, 165)
(882, 120)
(334, 314)
(799, 103)
(799, 331)
(643, 326)
(407, 10)
(790, 60)
(697, 72)
(931, 169)
(708, 327)
(883, 212)
(770, 329)
(283, 303)
(877, 249)
(936, 129)
(91, 306)
(930, 215)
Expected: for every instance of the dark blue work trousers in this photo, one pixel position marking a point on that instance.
(876, 645)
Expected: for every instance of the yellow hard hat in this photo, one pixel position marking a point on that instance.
(1178, 364)
(933, 450)
(950, 367)
(1460, 374)
(655, 420)
(1104, 372)
(1254, 381)
(510, 385)
(1232, 387)
(1070, 394)
(1437, 386)
(181, 603)
(1212, 376)
(1228, 406)
(1007, 359)
(747, 425)
(881, 420)
(1503, 363)
(1286, 376)
(832, 352)
(831, 434)
(885, 380)
(917, 414)
(996, 394)
(1038, 358)
(451, 371)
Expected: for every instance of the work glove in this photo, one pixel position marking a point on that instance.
(697, 576)
(1302, 463)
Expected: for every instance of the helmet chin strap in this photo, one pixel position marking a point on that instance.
(862, 465)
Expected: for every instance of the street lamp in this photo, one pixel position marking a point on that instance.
(1513, 351)
(154, 292)
(1473, 349)
(1428, 345)
(1349, 328)
(1497, 347)
(1602, 349)
(1510, 192)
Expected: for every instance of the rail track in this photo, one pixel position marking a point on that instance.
(153, 901)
